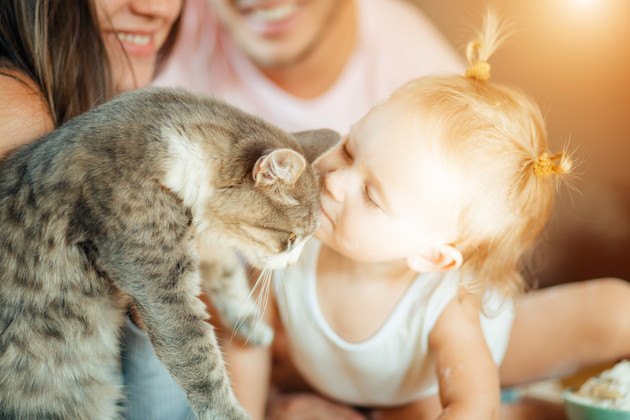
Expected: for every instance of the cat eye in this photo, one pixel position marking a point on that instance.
(291, 241)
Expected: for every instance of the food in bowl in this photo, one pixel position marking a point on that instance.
(610, 388)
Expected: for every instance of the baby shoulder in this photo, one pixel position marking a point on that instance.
(459, 319)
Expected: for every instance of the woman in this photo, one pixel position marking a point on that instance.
(60, 58)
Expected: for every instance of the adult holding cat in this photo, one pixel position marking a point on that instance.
(305, 64)
(60, 58)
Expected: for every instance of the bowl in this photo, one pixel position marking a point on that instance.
(580, 408)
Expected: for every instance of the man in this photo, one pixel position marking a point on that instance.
(305, 63)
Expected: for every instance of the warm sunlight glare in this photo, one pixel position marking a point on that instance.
(585, 4)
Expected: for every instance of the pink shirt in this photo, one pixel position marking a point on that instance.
(396, 43)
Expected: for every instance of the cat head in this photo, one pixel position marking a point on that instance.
(265, 199)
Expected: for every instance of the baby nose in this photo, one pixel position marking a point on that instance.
(336, 182)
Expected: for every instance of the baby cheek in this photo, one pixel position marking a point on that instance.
(357, 227)
(407, 232)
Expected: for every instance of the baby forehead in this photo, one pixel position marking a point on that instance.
(405, 139)
(403, 114)
(412, 174)
(395, 136)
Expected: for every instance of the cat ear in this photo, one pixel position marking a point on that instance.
(280, 165)
(316, 142)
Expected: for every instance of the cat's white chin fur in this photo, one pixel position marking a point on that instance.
(285, 259)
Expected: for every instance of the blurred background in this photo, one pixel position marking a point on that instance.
(573, 58)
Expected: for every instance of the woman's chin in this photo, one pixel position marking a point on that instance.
(131, 81)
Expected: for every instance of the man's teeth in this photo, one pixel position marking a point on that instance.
(134, 39)
(274, 14)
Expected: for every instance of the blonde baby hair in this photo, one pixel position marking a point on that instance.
(494, 137)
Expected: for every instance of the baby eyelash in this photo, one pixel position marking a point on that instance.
(346, 153)
(367, 198)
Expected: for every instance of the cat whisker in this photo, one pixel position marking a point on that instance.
(267, 275)
(258, 289)
(262, 297)
(263, 284)
(267, 292)
(282, 288)
(258, 283)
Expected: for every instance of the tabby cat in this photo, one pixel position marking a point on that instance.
(106, 211)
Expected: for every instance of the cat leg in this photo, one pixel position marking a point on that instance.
(226, 282)
(163, 287)
(187, 345)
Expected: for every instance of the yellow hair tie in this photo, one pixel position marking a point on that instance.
(544, 165)
(479, 70)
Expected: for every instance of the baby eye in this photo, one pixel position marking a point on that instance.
(345, 151)
(368, 198)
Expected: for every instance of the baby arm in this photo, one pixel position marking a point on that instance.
(468, 377)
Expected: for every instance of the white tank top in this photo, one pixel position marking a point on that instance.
(394, 366)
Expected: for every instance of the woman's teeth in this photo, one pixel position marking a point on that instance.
(134, 39)
(274, 14)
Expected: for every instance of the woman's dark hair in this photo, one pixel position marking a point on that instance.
(58, 44)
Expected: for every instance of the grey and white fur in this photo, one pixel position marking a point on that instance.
(106, 211)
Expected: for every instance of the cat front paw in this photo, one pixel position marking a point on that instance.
(253, 331)
(235, 413)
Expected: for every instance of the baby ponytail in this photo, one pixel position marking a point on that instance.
(494, 137)
(559, 163)
(479, 50)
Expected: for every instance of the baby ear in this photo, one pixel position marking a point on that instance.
(280, 165)
(316, 142)
(443, 258)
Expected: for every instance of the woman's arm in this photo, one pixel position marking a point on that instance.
(24, 115)
(468, 377)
